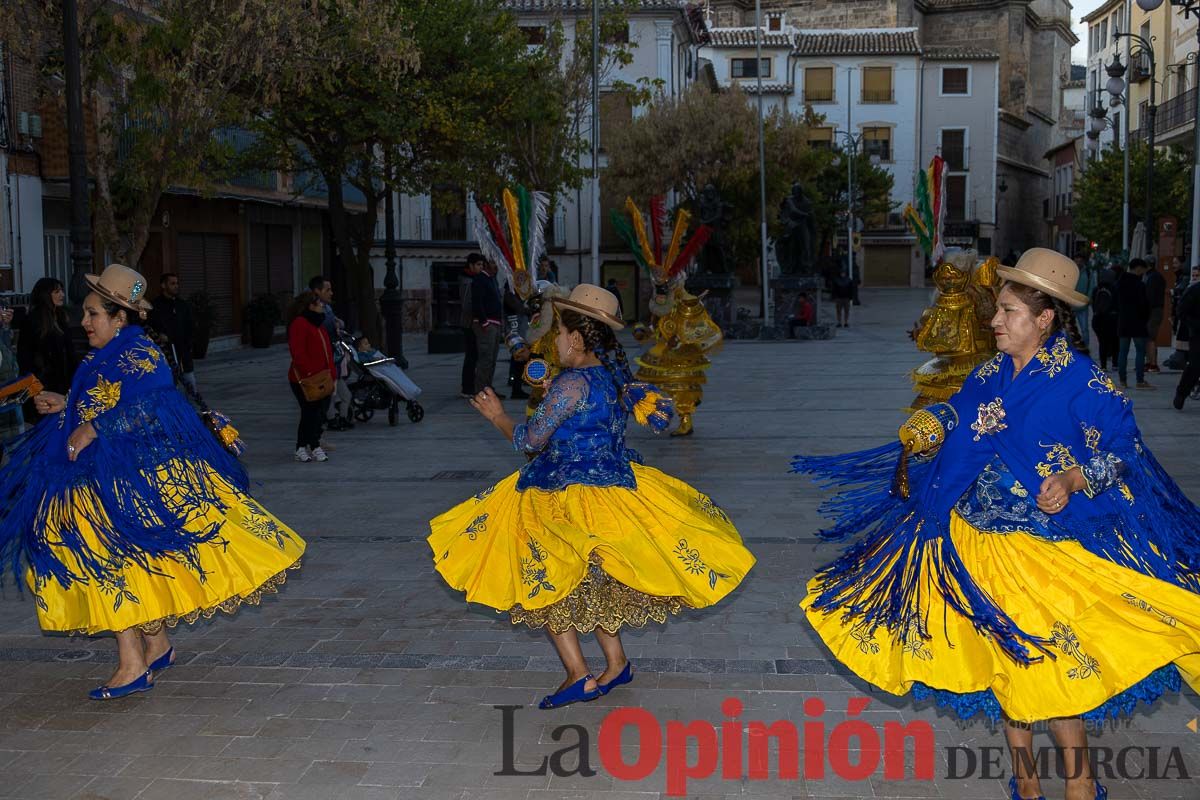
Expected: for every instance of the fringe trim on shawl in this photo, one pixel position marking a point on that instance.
(880, 580)
(152, 467)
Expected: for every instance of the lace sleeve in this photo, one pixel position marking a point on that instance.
(136, 417)
(564, 398)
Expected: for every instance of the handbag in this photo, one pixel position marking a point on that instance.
(317, 386)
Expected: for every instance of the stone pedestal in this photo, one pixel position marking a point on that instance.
(786, 291)
(719, 300)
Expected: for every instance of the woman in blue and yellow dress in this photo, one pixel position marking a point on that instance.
(125, 510)
(584, 537)
(1032, 561)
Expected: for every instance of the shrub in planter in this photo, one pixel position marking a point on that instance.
(204, 313)
(261, 316)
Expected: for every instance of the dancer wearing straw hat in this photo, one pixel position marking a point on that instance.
(1019, 553)
(584, 537)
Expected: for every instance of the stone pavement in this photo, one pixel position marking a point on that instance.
(366, 678)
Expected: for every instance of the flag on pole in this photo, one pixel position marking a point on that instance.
(927, 217)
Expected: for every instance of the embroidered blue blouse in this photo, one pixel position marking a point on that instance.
(576, 435)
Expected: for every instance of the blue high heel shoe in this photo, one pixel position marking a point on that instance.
(1012, 788)
(625, 677)
(141, 684)
(575, 693)
(163, 662)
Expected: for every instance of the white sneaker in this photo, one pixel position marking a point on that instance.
(318, 454)
(302, 455)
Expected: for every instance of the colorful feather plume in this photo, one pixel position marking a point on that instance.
(515, 244)
(649, 405)
(647, 249)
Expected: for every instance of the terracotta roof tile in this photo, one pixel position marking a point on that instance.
(901, 41)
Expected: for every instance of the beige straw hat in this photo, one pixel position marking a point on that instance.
(121, 285)
(595, 302)
(1048, 271)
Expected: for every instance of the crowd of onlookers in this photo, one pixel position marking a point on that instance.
(1129, 304)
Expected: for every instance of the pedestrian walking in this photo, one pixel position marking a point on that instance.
(1105, 319)
(311, 374)
(1156, 301)
(1133, 317)
(11, 418)
(171, 319)
(124, 513)
(843, 293)
(44, 347)
(466, 282)
(487, 324)
(1188, 311)
(584, 538)
(1034, 562)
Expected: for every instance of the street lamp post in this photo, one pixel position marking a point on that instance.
(1190, 8)
(852, 143)
(81, 227)
(1143, 49)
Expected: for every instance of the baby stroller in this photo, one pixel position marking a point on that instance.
(377, 383)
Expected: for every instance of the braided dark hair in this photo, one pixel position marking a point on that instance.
(1064, 316)
(599, 339)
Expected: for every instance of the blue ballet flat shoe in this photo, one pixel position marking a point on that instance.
(140, 684)
(1101, 792)
(625, 677)
(163, 662)
(574, 693)
(1012, 788)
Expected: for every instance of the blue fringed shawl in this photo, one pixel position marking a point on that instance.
(1060, 412)
(153, 465)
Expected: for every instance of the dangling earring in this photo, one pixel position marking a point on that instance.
(118, 332)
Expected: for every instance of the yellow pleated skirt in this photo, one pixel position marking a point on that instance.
(250, 557)
(587, 556)
(1113, 630)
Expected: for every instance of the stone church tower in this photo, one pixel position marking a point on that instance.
(1033, 40)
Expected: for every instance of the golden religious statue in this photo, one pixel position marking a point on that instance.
(957, 327)
(685, 335)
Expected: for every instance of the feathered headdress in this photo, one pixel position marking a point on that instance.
(648, 249)
(515, 245)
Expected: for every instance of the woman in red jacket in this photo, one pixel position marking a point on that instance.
(312, 352)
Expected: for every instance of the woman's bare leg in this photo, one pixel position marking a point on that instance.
(156, 645)
(614, 654)
(571, 655)
(1071, 737)
(1020, 748)
(131, 658)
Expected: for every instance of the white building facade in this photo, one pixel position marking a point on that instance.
(1103, 23)
(899, 101)
(664, 38)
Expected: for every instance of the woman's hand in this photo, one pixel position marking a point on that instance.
(488, 404)
(80, 438)
(49, 402)
(1056, 490)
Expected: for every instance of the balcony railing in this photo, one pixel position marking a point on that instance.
(878, 96)
(1176, 112)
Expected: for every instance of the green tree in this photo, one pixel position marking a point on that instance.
(163, 79)
(684, 143)
(1099, 189)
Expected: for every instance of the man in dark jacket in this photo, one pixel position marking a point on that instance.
(1188, 311)
(1156, 299)
(487, 323)
(172, 319)
(1104, 317)
(470, 351)
(1133, 316)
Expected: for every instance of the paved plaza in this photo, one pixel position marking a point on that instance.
(366, 678)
